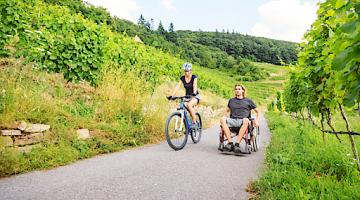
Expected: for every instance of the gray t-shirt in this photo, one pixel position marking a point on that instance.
(240, 108)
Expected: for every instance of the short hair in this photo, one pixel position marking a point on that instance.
(242, 86)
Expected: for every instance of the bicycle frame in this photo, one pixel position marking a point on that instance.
(184, 110)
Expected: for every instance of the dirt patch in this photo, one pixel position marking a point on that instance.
(98, 133)
(3, 64)
(252, 193)
(83, 86)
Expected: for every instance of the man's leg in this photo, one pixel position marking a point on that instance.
(244, 126)
(225, 128)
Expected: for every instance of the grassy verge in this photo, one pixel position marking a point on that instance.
(299, 165)
(114, 112)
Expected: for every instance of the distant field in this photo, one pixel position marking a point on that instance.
(276, 72)
(262, 92)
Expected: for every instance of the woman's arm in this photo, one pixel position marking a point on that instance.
(176, 88)
(195, 89)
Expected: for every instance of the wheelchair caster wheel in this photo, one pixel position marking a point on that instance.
(221, 147)
(249, 149)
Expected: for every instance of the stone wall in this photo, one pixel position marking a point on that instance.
(23, 135)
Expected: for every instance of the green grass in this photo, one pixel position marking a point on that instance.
(271, 68)
(277, 73)
(112, 112)
(299, 165)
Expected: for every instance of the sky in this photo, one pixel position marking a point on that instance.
(277, 19)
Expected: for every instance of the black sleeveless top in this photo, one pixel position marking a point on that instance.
(189, 87)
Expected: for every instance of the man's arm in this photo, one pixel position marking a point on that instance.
(256, 121)
(226, 113)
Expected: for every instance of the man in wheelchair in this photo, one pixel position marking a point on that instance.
(240, 111)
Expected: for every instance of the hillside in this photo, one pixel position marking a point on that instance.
(208, 49)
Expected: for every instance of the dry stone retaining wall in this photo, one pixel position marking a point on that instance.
(23, 134)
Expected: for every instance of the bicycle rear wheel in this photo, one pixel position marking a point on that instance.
(175, 131)
(256, 138)
(196, 134)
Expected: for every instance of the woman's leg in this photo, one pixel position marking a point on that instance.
(190, 105)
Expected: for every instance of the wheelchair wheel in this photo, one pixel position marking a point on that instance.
(256, 138)
(196, 134)
(175, 131)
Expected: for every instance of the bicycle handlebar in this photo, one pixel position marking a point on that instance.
(179, 97)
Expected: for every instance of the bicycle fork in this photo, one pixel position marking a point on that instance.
(181, 122)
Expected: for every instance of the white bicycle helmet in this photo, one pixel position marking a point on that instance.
(187, 66)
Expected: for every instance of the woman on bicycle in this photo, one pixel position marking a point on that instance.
(189, 81)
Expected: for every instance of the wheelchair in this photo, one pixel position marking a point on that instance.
(251, 137)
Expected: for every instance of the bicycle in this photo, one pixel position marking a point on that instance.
(251, 137)
(177, 128)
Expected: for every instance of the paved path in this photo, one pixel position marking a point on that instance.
(198, 171)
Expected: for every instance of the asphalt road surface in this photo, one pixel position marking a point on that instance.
(198, 171)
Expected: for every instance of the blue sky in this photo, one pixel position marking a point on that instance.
(277, 19)
(204, 14)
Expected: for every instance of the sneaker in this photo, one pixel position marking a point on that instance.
(229, 147)
(237, 149)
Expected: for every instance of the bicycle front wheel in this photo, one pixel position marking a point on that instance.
(196, 134)
(175, 131)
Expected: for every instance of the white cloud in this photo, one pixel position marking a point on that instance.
(168, 5)
(285, 19)
(120, 8)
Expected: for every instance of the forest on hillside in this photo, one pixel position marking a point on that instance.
(220, 49)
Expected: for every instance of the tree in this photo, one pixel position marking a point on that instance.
(147, 25)
(172, 37)
(141, 20)
(161, 29)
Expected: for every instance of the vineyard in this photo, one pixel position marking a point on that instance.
(327, 77)
(74, 68)
(314, 150)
